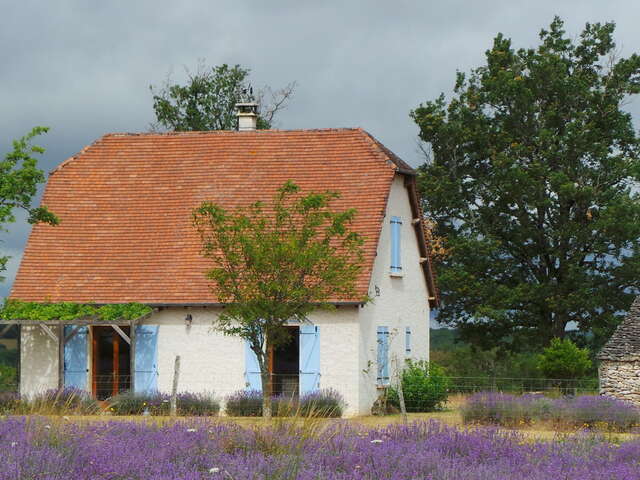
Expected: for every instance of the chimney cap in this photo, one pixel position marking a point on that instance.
(247, 113)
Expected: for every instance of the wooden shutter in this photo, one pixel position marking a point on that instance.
(76, 358)
(383, 355)
(309, 358)
(253, 380)
(396, 263)
(146, 361)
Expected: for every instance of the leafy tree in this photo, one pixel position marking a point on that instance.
(531, 183)
(207, 101)
(276, 263)
(19, 180)
(564, 360)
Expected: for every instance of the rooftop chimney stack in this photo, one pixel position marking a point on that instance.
(247, 116)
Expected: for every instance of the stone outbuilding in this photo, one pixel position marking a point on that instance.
(620, 359)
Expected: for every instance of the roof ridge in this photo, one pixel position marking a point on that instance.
(229, 132)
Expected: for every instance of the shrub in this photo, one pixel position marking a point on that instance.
(197, 404)
(130, 403)
(63, 401)
(321, 403)
(10, 403)
(564, 360)
(244, 403)
(581, 411)
(425, 387)
(159, 404)
(8, 378)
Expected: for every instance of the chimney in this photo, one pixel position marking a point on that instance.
(247, 116)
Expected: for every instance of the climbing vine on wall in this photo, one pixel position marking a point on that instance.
(69, 311)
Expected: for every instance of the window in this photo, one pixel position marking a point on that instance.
(407, 340)
(383, 356)
(396, 265)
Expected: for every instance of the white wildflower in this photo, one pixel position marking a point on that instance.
(48, 427)
(191, 430)
(214, 470)
(377, 440)
(13, 444)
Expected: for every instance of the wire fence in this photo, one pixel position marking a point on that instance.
(522, 385)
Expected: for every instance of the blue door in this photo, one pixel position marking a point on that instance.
(76, 366)
(309, 358)
(146, 361)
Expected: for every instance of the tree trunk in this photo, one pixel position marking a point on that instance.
(266, 394)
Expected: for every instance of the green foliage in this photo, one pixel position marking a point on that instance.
(68, 311)
(530, 183)
(425, 387)
(8, 378)
(207, 101)
(278, 263)
(470, 361)
(563, 359)
(19, 180)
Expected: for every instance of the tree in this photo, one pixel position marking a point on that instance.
(564, 360)
(19, 180)
(531, 183)
(278, 263)
(208, 100)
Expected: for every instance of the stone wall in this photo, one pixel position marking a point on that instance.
(620, 380)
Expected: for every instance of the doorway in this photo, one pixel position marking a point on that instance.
(111, 371)
(285, 365)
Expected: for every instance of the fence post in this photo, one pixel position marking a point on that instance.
(403, 408)
(174, 388)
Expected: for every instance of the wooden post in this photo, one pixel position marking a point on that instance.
(132, 356)
(403, 408)
(60, 356)
(174, 388)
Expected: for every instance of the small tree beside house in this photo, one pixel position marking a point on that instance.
(274, 264)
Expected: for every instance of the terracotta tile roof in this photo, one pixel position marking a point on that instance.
(125, 206)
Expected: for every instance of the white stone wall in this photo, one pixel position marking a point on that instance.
(402, 301)
(38, 361)
(620, 380)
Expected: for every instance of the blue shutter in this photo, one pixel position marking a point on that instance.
(407, 339)
(252, 368)
(309, 358)
(146, 375)
(396, 226)
(76, 358)
(383, 355)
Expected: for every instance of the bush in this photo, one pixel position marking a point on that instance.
(564, 360)
(10, 403)
(65, 401)
(321, 403)
(159, 404)
(425, 387)
(244, 403)
(197, 404)
(129, 403)
(8, 378)
(582, 411)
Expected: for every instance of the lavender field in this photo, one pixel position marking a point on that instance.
(39, 448)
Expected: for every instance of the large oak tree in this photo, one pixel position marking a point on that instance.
(532, 181)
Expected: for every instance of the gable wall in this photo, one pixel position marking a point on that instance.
(402, 302)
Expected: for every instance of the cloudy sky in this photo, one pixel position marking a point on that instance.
(84, 68)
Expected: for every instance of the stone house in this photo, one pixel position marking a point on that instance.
(125, 235)
(620, 359)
